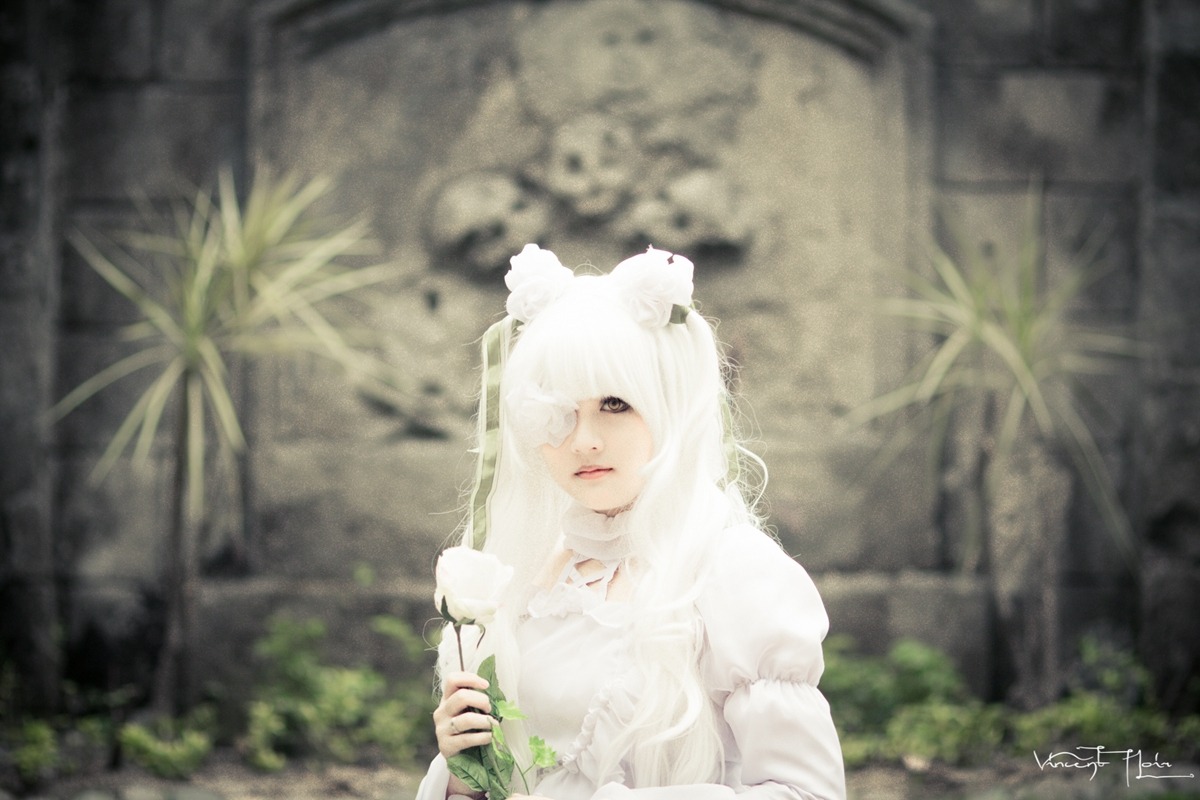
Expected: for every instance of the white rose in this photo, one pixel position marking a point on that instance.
(470, 585)
(652, 282)
(539, 417)
(535, 278)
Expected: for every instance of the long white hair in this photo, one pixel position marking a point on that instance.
(586, 345)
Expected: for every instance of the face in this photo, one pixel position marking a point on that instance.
(600, 463)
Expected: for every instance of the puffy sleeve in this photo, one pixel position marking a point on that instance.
(763, 624)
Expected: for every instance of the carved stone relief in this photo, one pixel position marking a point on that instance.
(785, 164)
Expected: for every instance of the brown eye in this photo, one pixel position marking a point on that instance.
(614, 405)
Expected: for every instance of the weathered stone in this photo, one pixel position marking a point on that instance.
(115, 529)
(92, 425)
(1097, 236)
(1171, 291)
(329, 506)
(95, 794)
(139, 792)
(1168, 451)
(991, 32)
(857, 604)
(113, 39)
(631, 59)
(1094, 32)
(1177, 133)
(192, 793)
(1178, 26)
(153, 140)
(1078, 127)
(204, 40)
(951, 613)
(87, 299)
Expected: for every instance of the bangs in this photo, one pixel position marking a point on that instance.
(585, 347)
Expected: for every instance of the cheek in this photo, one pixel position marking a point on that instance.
(550, 456)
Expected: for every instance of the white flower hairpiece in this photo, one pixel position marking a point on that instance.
(535, 278)
(538, 417)
(653, 283)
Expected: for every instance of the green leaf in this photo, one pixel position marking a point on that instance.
(544, 756)
(506, 709)
(468, 766)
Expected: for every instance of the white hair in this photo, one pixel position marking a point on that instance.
(585, 345)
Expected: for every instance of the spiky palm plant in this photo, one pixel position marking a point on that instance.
(1005, 339)
(224, 281)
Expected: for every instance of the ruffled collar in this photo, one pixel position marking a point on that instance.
(593, 535)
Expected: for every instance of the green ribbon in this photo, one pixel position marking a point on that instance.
(489, 446)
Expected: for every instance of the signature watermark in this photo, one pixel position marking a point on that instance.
(1137, 765)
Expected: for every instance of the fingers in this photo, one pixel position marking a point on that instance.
(462, 680)
(461, 720)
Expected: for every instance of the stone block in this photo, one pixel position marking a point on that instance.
(1098, 234)
(1179, 27)
(817, 514)
(92, 424)
(1168, 451)
(113, 39)
(857, 604)
(1170, 291)
(1092, 231)
(329, 507)
(949, 612)
(1072, 127)
(1177, 132)
(952, 613)
(1094, 32)
(985, 32)
(204, 39)
(86, 298)
(115, 529)
(154, 140)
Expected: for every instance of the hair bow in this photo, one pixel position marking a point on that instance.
(535, 278)
(656, 286)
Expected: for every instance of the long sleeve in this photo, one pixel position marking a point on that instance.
(433, 785)
(764, 622)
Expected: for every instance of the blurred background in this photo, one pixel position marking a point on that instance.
(952, 245)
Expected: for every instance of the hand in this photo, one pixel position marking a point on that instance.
(461, 720)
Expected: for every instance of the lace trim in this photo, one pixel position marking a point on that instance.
(576, 593)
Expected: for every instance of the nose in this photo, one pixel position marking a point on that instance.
(586, 436)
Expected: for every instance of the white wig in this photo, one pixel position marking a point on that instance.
(586, 344)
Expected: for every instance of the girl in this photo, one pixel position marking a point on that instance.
(654, 635)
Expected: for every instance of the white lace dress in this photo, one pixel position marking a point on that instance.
(763, 624)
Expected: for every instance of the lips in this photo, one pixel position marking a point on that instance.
(592, 472)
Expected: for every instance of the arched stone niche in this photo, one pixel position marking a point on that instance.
(781, 145)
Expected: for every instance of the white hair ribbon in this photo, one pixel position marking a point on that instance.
(656, 286)
(535, 279)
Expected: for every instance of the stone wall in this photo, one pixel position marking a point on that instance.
(828, 144)
(31, 107)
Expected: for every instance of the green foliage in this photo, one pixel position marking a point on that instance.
(865, 692)
(306, 708)
(913, 706)
(967, 732)
(169, 748)
(36, 752)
